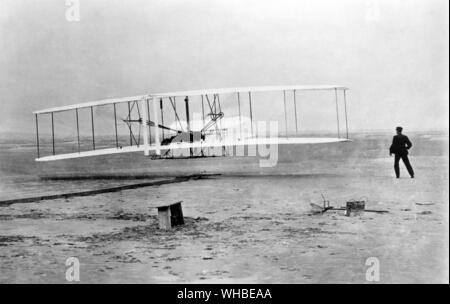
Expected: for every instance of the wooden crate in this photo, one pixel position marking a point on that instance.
(355, 207)
(170, 216)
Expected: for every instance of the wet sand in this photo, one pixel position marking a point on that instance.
(249, 229)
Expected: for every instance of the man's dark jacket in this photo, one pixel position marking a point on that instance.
(400, 145)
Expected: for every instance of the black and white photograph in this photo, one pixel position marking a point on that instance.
(218, 142)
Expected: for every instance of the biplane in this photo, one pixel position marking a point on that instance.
(160, 124)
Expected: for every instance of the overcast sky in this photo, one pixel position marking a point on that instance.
(393, 54)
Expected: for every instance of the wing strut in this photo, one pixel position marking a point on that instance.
(203, 119)
(37, 135)
(162, 115)
(186, 101)
(295, 109)
(285, 113)
(145, 128)
(203, 112)
(240, 121)
(53, 135)
(115, 125)
(129, 117)
(345, 107)
(155, 114)
(93, 132)
(337, 113)
(251, 114)
(78, 130)
(149, 129)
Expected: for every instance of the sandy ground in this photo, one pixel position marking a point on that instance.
(239, 228)
(246, 229)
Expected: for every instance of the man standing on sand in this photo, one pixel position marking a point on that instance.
(400, 146)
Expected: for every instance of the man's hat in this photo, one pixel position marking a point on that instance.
(399, 129)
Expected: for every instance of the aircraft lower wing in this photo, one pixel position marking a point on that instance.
(199, 144)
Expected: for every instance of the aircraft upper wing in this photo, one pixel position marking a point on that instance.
(192, 93)
(250, 89)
